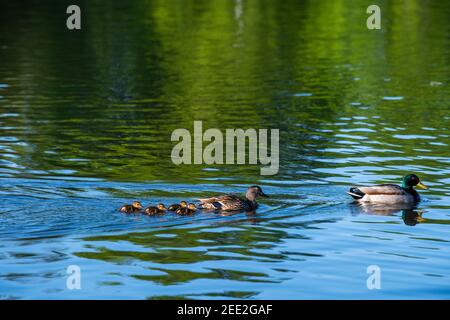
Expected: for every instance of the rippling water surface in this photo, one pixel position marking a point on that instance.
(85, 124)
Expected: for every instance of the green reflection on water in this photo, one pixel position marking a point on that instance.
(103, 102)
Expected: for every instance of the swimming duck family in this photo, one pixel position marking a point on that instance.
(389, 193)
(225, 202)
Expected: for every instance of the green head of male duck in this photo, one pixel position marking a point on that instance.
(411, 180)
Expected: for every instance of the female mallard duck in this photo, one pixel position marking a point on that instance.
(389, 193)
(130, 208)
(175, 207)
(231, 202)
(153, 211)
(186, 211)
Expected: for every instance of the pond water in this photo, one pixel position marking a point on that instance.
(85, 124)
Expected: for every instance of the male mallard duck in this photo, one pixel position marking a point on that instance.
(389, 193)
(158, 210)
(130, 208)
(175, 207)
(185, 211)
(231, 202)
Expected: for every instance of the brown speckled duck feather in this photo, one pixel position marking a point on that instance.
(232, 202)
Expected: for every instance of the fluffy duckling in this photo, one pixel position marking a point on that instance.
(175, 207)
(158, 210)
(136, 206)
(231, 202)
(185, 211)
(389, 193)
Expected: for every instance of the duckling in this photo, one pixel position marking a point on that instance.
(231, 202)
(389, 193)
(160, 209)
(175, 207)
(185, 211)
(130, 208)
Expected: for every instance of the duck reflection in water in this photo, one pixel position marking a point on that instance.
(410, 214)
(412, 217)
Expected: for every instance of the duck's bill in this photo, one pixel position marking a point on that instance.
(264, 195)
(422, 186)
